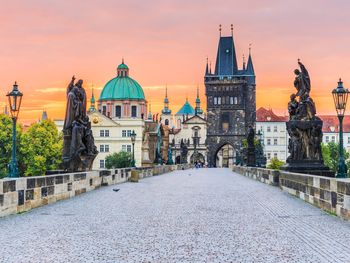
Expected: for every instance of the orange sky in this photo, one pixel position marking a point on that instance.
(43, 43)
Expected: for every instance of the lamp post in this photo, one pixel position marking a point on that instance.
(133, 138)
(340, 97)
(15, 99)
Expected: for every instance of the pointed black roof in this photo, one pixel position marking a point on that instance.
(250, 68)
(226, 61)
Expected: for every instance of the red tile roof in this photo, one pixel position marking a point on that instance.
(265, 115)
(330, 122)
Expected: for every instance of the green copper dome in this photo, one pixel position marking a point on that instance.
(122, 87)
(123, 66)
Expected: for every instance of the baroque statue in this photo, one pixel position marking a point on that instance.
(79, 150)
(184, 151)
(304, 129)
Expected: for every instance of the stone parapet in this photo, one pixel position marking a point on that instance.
(22, 194)
(329, 194)
(266, 176)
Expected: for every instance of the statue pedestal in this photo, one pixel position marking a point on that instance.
(251, 160)
(305, 148)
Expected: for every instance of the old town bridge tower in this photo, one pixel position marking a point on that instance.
(230, 101)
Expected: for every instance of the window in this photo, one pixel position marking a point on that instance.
(274, 141)
(231, 100)
(327, 139)
(268, 142)
(235, 100)
(118, 111)
(133, 111)
(104, 133)
(104, 148)
(129, 133)
(268, 128)
(102, 163)
(269, 156)
(123, 133)
(215, 100)
(219, 100)
(166, 122)
(348, 139)
(126, 147)
(275, 155)
(225, 121)
(104, 109)
(275, 128)
(333, 138)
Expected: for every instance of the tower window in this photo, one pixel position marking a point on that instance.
(134, 111)
(166, 122)
(118, 111)
(225, 121)
(104, 109)
(235, 100)
(231, 100)
(219, 100)
(215, 100)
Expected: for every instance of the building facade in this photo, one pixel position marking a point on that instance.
(231, 103)
(274, 134)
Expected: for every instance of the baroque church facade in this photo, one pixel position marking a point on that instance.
(231, 102)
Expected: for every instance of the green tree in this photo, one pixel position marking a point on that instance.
(275, 164)
(40, 149)
(120, 159)
(330, 153)
(6, 143)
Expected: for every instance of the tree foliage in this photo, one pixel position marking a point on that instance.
(40, 149)
(275, 164)
(330, 153)
(120, 159)
(6, 143)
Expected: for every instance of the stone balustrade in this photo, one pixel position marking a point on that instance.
(22, 194)
(328, 193)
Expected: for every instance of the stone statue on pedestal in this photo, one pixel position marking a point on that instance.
(79, 150)
(251, 160)
(304, 129)
(184, 151)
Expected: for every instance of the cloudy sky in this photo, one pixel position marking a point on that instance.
(44, 42)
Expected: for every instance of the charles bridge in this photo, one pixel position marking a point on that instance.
(182, 215)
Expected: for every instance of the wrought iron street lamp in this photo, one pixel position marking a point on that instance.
(133, 139)
(340, 96)
(15, 99)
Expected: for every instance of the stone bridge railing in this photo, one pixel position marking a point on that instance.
(330, 194)
(25, 193)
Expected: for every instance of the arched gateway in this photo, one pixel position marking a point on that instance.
(231, 105)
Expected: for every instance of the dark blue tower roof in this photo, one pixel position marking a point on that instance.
(226, 61)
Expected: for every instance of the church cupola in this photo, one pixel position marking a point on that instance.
(166, 110)
(123, 70)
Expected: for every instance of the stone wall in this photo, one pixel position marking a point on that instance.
(25, 193)
(266, 176)
(328, 193)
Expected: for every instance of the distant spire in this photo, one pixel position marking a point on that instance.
(44, 116)
(198, 109)
(92, 101)
(210, 68)
(166, 109)
(243, 62)
(197, 91)
(250, 67)
(231, 29)
(220, 29)
(207, 68)
(150, 112)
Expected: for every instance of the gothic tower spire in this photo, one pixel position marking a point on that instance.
(166, 110)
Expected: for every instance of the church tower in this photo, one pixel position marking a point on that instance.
(231, 103)
(166, 112)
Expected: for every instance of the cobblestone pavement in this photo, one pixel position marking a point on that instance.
(204, 215)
